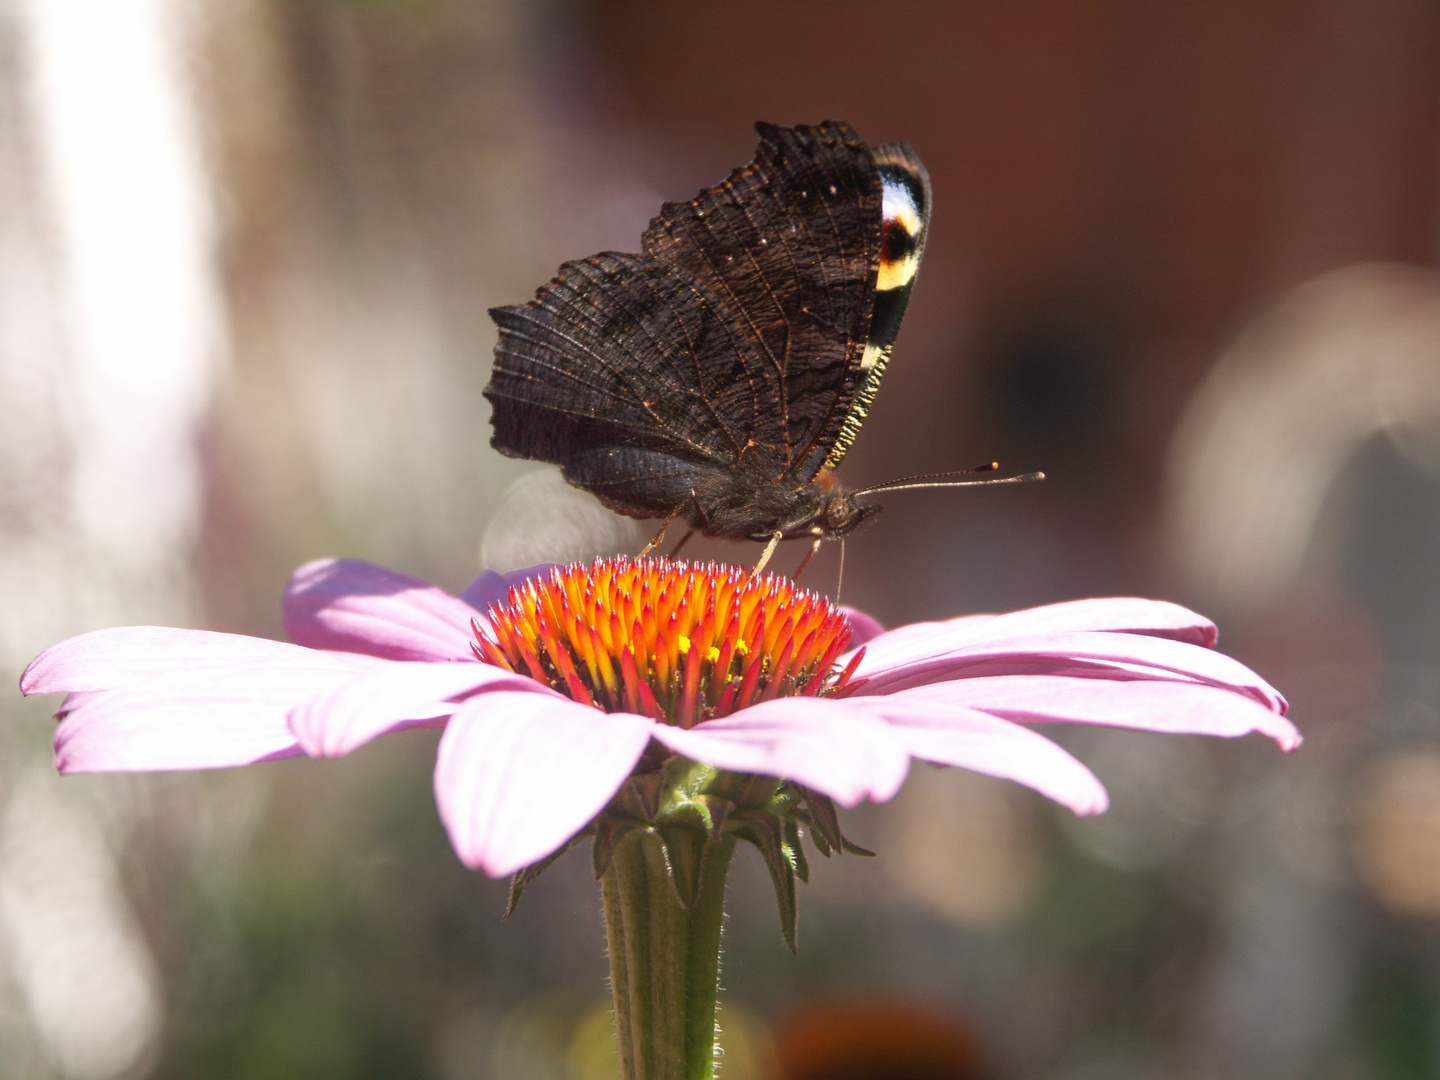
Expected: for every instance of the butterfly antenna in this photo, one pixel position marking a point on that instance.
(936, 480)
(840, 575)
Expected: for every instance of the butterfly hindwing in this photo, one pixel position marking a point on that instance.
(628, 373)
(790, 244)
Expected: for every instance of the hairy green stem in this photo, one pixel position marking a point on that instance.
(664, 959)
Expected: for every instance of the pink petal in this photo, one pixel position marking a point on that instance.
(398, 696)
(143, 731)
(1121, 614)
(167, 728)
(152, 697)
(927, 661)
(167, 660)
(864, 628)
(359, 607)
(1143, 704)
(970, 739)
(831, 746)
(519, 774)
(1117, 614)
(492, 588)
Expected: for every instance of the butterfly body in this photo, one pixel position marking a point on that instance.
(720, 375)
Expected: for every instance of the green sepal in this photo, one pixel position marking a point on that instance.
(796, 850)
(753, 791)
(824, 822)
(641, 795)
(684, 779)
(684, 852)
(526, 874)
(767, 834)
(825, 826)
(608, 829)
(816, 836)
(707, 812)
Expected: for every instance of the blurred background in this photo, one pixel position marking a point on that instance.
(1182, 259)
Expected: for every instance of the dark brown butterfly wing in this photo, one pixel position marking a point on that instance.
(790, 244)
(627, 372)
(722, 368)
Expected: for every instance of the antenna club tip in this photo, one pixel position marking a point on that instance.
(1039, 476)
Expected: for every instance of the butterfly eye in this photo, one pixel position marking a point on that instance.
(839, 513)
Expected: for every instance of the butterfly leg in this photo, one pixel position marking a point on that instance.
(659, 537)
(765, 555)
(814, 547)
(683, 541)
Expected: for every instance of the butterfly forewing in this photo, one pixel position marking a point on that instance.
(905, 221)
(790, 244)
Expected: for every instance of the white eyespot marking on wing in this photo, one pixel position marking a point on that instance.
(898, 205)
(900, 225)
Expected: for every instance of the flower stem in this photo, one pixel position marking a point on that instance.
(664, 958)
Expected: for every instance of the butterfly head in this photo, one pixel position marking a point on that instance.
(821, 508)
(841, 514)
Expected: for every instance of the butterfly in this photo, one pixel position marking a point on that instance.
(721, 374)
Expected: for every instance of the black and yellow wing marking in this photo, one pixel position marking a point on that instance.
(905, 221)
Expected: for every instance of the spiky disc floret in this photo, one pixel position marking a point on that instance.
(682, 643)
(675, 641)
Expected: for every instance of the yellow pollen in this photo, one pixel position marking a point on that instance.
(676, 641)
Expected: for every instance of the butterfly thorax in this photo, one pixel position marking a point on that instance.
(758, 508)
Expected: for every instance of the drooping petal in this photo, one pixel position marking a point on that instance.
(147, 731)
(399, 695)
(864, 628)
(184, 726)
(518, 774)
(922, 662)
(831, 746)
(492, 587)
(948, 734)
(359, 607)
(1173, 707)
(1121, 614)
(164, 659)
(153, 697)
